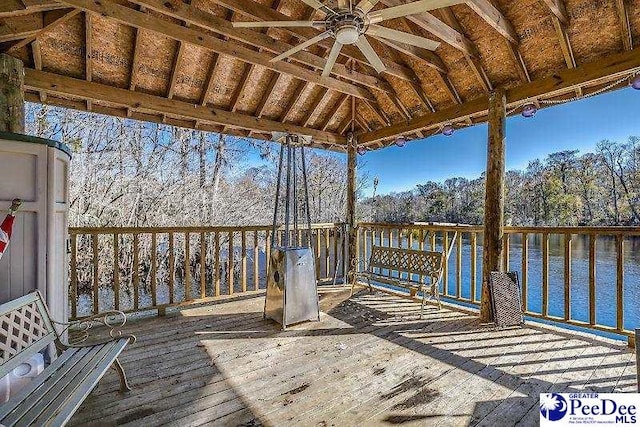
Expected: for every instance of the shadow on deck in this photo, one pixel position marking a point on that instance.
(370, 361)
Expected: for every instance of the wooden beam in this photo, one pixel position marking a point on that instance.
(64, 17)
(625, 28)
(438, 28)
(12, 99)
(128, 16)
(494, 198)
(257, 39)
(20, 27)
(423, 55)
(210, 80)
(175, 69)
(470, 54)
(492, 16)
(88, 42)
(352, 164)
(75, 88)
(264, 101)
(559, 10)
(605, 69)
(321, 97)
(334, 111)
(293, 100)
(14, 8)
(380, 113)
(261, 12)
(37, 64)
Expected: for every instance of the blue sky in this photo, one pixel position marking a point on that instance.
(578, 125)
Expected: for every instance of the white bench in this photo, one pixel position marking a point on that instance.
(426, 265)
(52, 397)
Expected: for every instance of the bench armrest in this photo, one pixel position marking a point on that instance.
(111, 319)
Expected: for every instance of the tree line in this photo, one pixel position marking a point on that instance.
(565, 188)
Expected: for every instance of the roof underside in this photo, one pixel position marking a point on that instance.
(184, 64)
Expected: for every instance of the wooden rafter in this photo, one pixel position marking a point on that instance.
(264, 101)
(558, 9)
(470, 54)
(334, 112)
(605, 69)
(128, 16)
(13, 8)
(625, 27)
(319, 99)
(88, 61)
(263, 13)
(37, 64)
(81, 89)
(62, 18)
(293, 100)
(175, 69)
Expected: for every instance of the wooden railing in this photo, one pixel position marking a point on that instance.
(135, 269)
(583, 276)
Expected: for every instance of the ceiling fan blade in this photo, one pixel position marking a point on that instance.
(370, 54)
(301, 46)
(367, 5)
(331, 59)
(409, 9)
(402, 37)
(278, 24)
(317, 5)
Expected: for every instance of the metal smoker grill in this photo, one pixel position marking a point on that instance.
(292, 290)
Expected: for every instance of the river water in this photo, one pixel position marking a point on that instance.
(606, 267)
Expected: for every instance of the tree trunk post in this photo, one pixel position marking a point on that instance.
(352, 145)
(494, 198)
(11, 94)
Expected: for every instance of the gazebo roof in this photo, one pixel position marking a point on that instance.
(184, 64)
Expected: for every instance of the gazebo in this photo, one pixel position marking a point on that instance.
(187, 64)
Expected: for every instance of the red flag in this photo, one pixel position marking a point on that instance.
(7, 226)
(5, 232)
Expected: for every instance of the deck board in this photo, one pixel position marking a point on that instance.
(370, 361)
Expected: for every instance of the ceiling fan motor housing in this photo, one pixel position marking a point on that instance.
(347, 27)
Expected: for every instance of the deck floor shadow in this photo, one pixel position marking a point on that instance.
(370, 361)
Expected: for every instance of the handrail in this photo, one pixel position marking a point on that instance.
(552, 287)
(142, 268)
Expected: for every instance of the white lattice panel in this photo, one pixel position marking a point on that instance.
(19, 329)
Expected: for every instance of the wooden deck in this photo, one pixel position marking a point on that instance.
(370, 361)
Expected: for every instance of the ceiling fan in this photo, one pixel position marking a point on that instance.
(349, 24)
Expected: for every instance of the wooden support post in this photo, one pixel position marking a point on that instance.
(11, 94)
(351, 205)
(494, 198)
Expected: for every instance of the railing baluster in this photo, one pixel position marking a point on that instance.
(327, 258)
(505, 251)
(256, 263)
(154, 270)
(74, 275)
(172, 268)
(216, 264)
(459, 265)
(620, 283)
(335, 251)
(545, 274)
(136, 271)
(445, 267)
(592, 279)
(187, 266)
(203, 266)
(474, 263)
(96, 279)
(116, 271)
(525, 268)
(230, 264)
(567, 276)
(318, 244)
(244, 261)
(267, 246)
